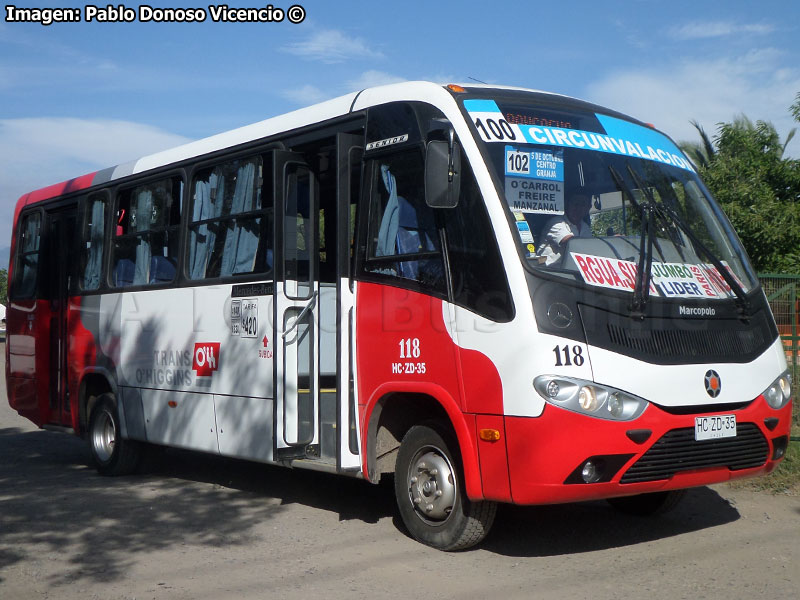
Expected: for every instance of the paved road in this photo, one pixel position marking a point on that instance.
(199, 527)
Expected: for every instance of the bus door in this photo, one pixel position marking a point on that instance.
(296, 321)
(350, 152)
(60, 233)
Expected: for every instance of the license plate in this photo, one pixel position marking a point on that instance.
(712, 428)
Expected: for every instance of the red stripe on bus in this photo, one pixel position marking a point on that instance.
(65, 187)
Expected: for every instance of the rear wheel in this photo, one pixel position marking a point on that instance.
(111, 454)
(429, 488)
(654, 503)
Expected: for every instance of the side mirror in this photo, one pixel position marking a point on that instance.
(442, 173)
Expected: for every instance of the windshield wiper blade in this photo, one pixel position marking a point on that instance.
(742, 301)
(667, 192)
(667, 214)
(641, 288)
(641, 292)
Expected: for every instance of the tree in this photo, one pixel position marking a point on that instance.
(703, 152)
(4, 287)
(757, 186)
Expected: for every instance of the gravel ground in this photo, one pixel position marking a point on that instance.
(196, 526)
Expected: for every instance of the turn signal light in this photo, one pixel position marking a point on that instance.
(489, 435)
(456, 88)
(172, 404)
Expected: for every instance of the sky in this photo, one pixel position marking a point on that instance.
(78, 97)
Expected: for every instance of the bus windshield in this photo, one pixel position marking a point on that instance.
(595, 198)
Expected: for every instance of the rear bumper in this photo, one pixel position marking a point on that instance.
(546, 454)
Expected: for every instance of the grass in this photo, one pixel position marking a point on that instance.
(786, 478)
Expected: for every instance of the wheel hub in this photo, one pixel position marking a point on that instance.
(104, 436)
(432, 485)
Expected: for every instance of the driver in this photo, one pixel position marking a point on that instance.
(562, 228)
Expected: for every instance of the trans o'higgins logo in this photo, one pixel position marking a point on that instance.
(205, 358)
(713, 383)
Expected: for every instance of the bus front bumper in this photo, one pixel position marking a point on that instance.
(564, 456)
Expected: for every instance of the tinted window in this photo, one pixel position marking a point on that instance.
(479, 280)
(146, 233)
(93, 237)
(229, 233)
(28, 256)
(402, 237)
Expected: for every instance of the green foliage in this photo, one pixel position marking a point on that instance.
(4, 287)
(758, 188)
(700, 153)
(786, 478)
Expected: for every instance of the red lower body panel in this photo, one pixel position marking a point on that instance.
(546, 454)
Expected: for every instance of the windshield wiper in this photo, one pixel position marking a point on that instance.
(668, 215)
(649, 211)
(742, 301)
(641, 288)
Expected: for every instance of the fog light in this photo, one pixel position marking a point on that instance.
(591, 472)
(779, 447)
(587, 399)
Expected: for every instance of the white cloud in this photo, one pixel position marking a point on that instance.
(308, 94)
(373, 79)
(43, 61)
(37, 152)
(709, 91)
(714, 29)
(332, 46)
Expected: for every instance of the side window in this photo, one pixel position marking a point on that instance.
(230, 233)
(28, 256)
(355, 158)
(146, 233)
(402, 238)
(299, 228)
(479, 280)
(93, 238)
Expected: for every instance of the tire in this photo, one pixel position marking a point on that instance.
(654, 503)
(429, 489)
(111, 454)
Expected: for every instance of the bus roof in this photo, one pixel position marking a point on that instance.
(409, 90)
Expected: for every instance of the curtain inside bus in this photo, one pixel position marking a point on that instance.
(205, 207)
(94, 261)
(144, 212)
(241, 240)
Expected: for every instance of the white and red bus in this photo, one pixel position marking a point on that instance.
(358, 287)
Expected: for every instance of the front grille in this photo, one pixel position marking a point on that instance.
(667, 340)
(725, 345)
(678, 451)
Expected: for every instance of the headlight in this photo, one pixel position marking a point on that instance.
(778, 394)
(589, 398)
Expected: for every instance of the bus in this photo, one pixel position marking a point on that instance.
(359, 287)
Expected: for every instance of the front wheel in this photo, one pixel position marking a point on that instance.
(654, 503)
(429, 489)
(111, 454)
